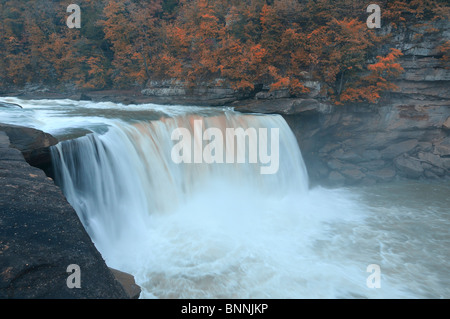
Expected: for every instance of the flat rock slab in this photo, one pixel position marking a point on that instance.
(41, 235)
(34, 144)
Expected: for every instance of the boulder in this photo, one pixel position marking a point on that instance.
(446, 124)
(383, 175)
(408, 166)
(34, 144)
(430, 175)
(85, 97)
(446, 163)
(353, 175)
(371, 155)
(394, 150)
(430, 158)
(335, 164)
(425, 146)
(374, 165)
(128, 283)
(442, 148)
(347, 156)
(329, 147)
(80, 97)
(336, 178)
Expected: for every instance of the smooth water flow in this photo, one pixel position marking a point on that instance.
(227, 231)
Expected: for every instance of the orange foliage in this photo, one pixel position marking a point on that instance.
(241, 44)
(369, 87)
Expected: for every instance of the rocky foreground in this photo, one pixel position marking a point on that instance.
(41, 234)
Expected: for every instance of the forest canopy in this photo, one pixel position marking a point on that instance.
(281, 44)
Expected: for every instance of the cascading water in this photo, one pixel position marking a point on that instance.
(128, 173)
(226, 230)
(199, 230)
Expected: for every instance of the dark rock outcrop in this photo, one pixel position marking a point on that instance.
(41, 235)
(34, 144)
(375, 145)
(177, 92)
(128, 283)
(283, 106)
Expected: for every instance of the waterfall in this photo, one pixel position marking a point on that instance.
(125, 181)
(129, 170)
(210, 229)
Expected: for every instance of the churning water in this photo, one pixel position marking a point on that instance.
(227, 231)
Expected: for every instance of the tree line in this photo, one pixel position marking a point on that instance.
(281, 44)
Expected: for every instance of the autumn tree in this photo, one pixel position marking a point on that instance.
(243, 44)
(129, 28)
(369, 87)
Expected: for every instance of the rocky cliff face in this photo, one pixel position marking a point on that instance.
(353, 145)
(41, 234)
(406, 135)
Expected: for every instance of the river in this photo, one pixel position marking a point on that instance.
(224, 230)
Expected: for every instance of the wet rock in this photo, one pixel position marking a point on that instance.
(408, 166)
(347, 156)
(371, 155)
(425, 146)
(430, 158)
(446, 163)
(276, 94)
(80, 97)
(85, 97)
(384, 175)
(446, 124)
(336, 178)
(34, 144)
(329, 147)
(442, 148)
(353, 175)
(374, 165)
(128, 283)
(41, 235)
(431, 175)
(283, 106)
(335, 164)
(397, 149)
